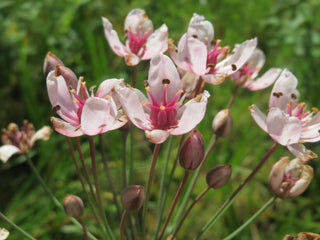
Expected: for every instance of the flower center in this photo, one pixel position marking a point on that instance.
(163, 114)
(298, 111)
(137, 40)
(246, 69)
(213, 55)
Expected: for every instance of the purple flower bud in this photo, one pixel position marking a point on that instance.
(73, 206)
(192, 151)
(218, 176)
(50, 63)
(222, 123)
(132, 197)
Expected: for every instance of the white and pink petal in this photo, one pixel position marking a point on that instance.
(6, 151)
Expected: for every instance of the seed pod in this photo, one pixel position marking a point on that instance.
(132, 197)
(50, 63)
(218, 176)
(73, 206)
(222, 123)
(192, 151)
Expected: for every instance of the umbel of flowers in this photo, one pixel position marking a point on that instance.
(174, 103)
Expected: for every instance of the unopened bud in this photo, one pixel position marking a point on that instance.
(290, 178)
(73, 206)
(192, 151)
(50, 63)
(132, 197)
(68, 75)
(222, 123)
(218, 176)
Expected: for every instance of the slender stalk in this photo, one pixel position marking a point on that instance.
(123, 219)
(162, 181)
(145, 208)
(250, 220)
(97, 185)
(16, 227)
(192, 184)
(228, 202)
(84, 229)
(179, 191)
(124, 159)
(85, 169)
(134, 77)
(106, 169)
(131, 154)
(83, 186)
(235, 92)
(48, 191)
(189, 209)
(163, 202)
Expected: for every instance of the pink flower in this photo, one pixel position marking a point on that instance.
(21, 140)
(290, 178)
(247, 75)
(198, 54)
(163, 112)
(82, 113)
(288, 123)
(141, 42)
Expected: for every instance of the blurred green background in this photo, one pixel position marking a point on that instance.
(288, 32)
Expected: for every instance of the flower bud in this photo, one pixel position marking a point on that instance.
(218, 176)
(222, 123)
(68, 75)
(192, 151)
(290, 178)
(132, 197)
(73, 206)
(50, 63)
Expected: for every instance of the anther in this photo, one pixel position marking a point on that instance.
(277, 94)
(56, 108)
(294, 96)
(234, 67)
(195, 36)
(145, 83)
(165, 81)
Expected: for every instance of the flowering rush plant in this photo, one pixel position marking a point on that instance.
(174, 101)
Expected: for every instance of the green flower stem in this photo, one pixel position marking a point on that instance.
(83, 186)
(250, 220)
(165, 196)
(179, 191)
(235, 92)
(123, 219)
(229, 201)
(97, 185)
(20, 230)
(48, 191)
(85, 169)
(192, 184)
(131, 128)
(189, 209)
(152, 168)
(124, 159)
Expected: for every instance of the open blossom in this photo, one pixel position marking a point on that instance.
(290, 178)
(198, 54)
(247, 75)
(21, 140)
(163, 112)
(288, 122)
(81, 112)
(4, 233)
(141, 42)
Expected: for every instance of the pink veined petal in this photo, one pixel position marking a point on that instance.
(314, 120)
(66, 128)
(235, 61)
(161, 67)
(132, 59)
(192, 115)
(259, 117)
(136, 18)
(264, 81)
(113, 39)
(284, 90)
(282, 128)
(122, 120)
(200, 28)
(300, 151)
(157, 136)
(197, 56)
(276, 174)
(156, 43)
(6, 151)
(310, 133)
(257, 59)
(132, 106)
(107, 86)
(59, 95)
(214, 79)
(98, 116)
